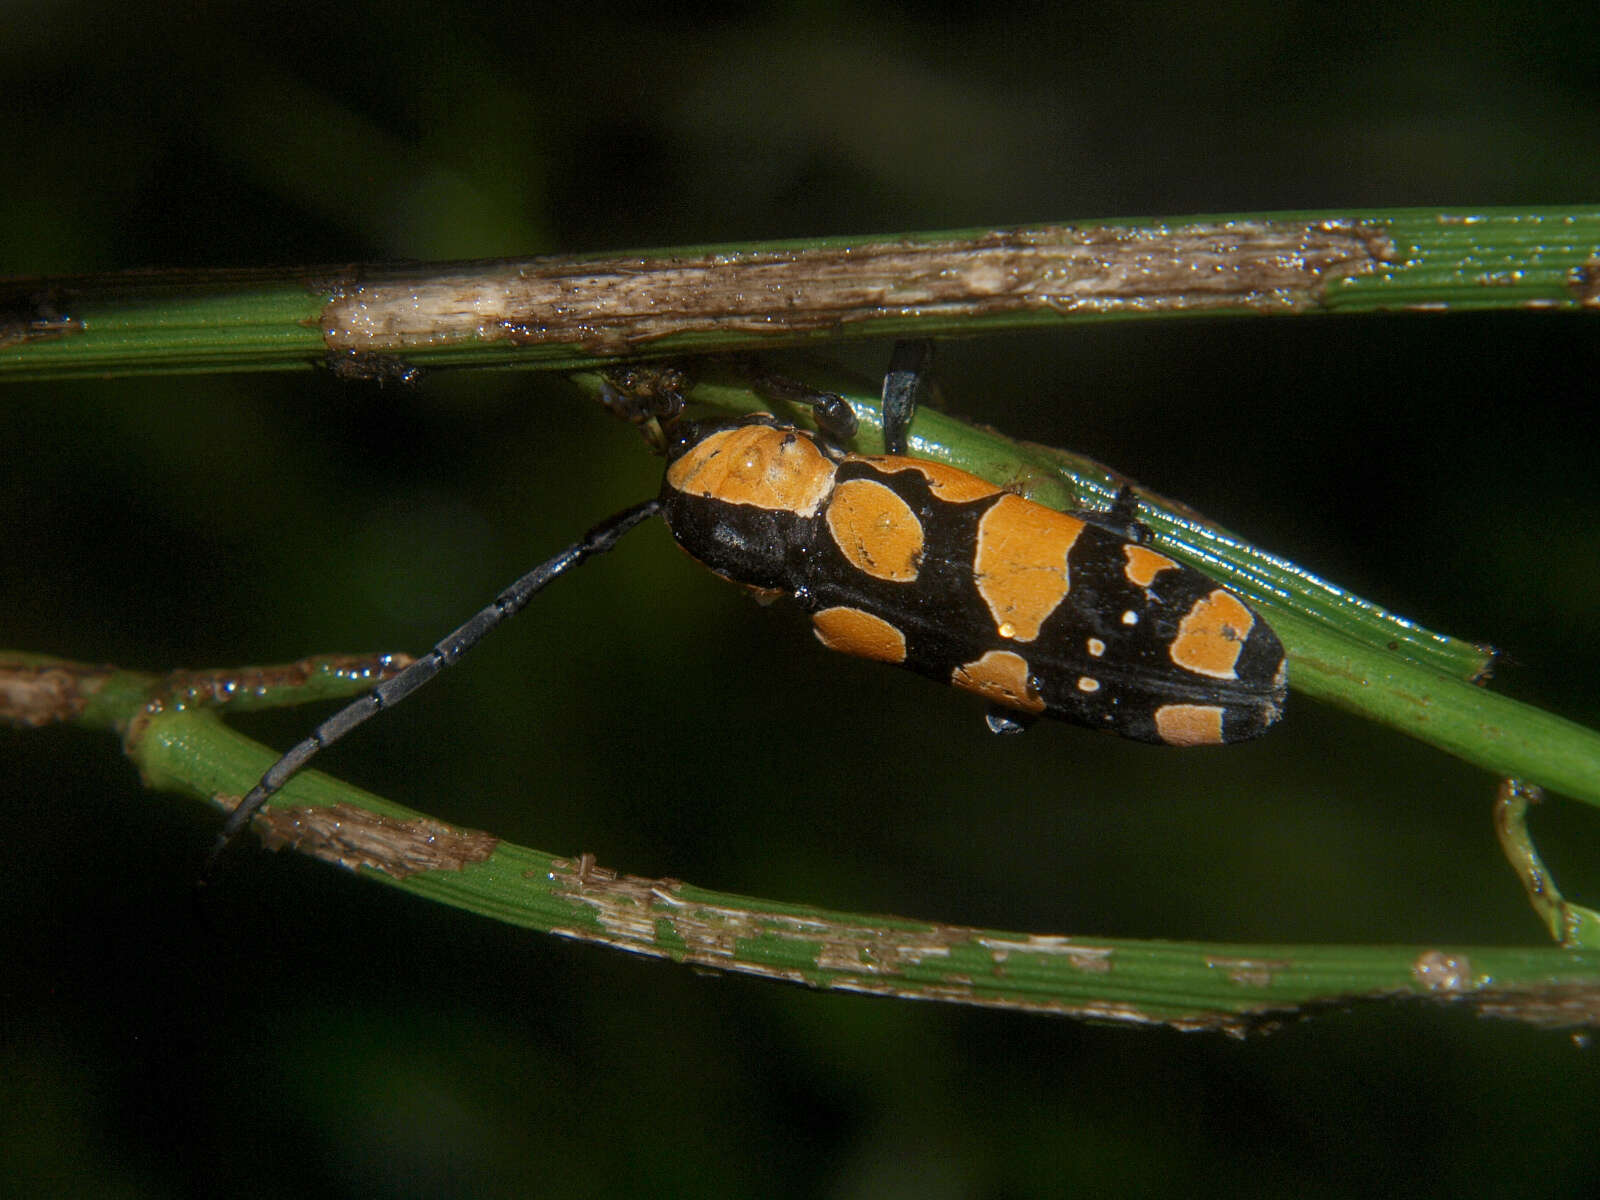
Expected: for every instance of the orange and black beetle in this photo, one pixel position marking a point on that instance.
(906, 561)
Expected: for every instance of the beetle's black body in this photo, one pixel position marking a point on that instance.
(1041, 612)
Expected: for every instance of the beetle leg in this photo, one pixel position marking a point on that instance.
(909, 366)
(1122, 518)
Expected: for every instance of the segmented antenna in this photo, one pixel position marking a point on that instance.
(389, 693)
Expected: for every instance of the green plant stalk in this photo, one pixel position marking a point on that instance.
(567, 313)
(1342, 649)
(172, 730)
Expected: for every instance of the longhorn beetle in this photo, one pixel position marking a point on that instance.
(907, 561)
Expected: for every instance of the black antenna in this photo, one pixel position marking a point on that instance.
(389, 693)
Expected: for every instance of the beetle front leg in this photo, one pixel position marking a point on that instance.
(909, 366)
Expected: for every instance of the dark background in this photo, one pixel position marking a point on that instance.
(337, 1037)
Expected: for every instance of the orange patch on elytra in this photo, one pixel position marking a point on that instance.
(1020, 567)
(758, 465)
(1002, 677)
(1212, 634)
(852, 631)
(945, 482)
(1189, 724)
(1144, 565)
(875, 530)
